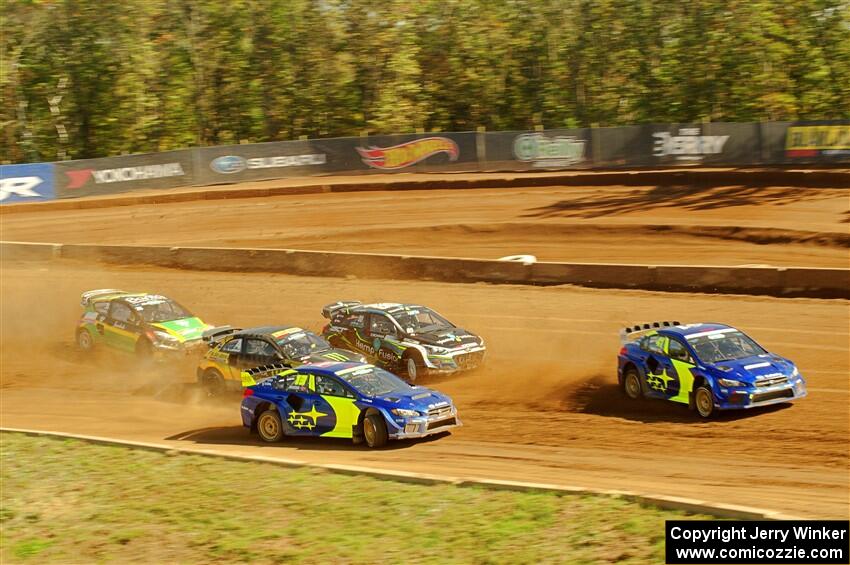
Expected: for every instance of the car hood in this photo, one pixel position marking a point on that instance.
(186, 329)
(419, 398)
(750, 369)
(450, 338)
(337, 355)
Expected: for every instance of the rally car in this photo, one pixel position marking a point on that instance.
(404, 338)
(345, 400)
(232, 350)
(706, 366)
(145, 324)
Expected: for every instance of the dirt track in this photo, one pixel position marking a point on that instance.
(546, 407)
(720, 225)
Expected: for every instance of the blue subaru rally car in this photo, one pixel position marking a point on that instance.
(706, 366)
(347, 400)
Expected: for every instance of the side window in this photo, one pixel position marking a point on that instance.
(655, 344)
(282, 383)
(299, 383)
(232, 346)
(101, 307)
(120, 312)
(678, 351)
(331, 387)
(356, 321)
(381, 325)
(259, 347)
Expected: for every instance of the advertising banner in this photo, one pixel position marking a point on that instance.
(27, 183)
(706, 144)
(538, 150)
(277, 159)
(817, 143)
(418, 153)
(111, 175)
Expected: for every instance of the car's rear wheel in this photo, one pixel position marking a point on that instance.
(269, 426)
(704, 401)
(631, 384)
(85, 341)
(375, 430)
(213, 382)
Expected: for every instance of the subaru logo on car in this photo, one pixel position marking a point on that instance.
(227, 164)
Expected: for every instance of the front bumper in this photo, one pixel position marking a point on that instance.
(454, 361)
(423, 426)
(753, 397)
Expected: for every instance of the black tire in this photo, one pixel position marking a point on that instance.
(704, 401)
(85, 341)
(413, 367)
(213, 382)
(631, 384)
(375, 431)
(269, 426)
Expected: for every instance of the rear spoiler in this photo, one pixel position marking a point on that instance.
(633, 332)
(343, 305)
(253, 376)
(212, 335)
(89, 295)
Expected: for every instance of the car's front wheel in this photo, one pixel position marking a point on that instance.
(414, 368)
(85, 341)
(269, 426)
(704, 401)
(375, 430)
(631, 384)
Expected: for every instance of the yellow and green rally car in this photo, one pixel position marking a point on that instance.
(233, 350)
(144, 324)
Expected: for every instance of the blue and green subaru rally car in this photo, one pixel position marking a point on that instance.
(706, 366)
(344, 400)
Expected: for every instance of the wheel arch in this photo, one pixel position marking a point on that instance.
(261, 407)
(629, 364)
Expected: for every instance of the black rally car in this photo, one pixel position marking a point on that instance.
(407, 339)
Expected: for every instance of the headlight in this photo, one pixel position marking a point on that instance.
(439, 350)
(730, 382)
(404, 412)
(795, 373)
(165, 337)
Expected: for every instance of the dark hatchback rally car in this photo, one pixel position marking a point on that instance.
(342, 400)
(232, 350)
(706, 366)
(407, 339)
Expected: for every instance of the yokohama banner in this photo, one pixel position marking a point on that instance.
(120, 174)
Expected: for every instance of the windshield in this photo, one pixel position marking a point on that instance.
(302, 344)
(372, 381)
(419, 319)
(716, 347)
(155, 309)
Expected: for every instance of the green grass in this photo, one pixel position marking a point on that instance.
(67, 501)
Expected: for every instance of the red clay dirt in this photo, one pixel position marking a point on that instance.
(720, 225)
(546, 407)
